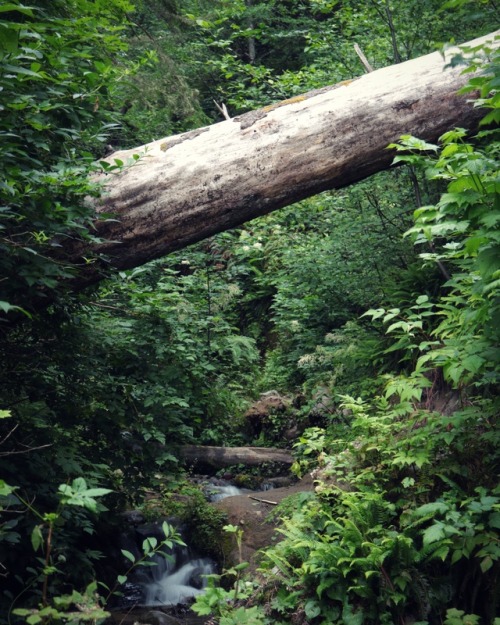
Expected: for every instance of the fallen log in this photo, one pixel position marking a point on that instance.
(218, 457)
(186, 188)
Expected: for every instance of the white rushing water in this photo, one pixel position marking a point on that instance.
(180, 577)
(177, 586)
(221, 492)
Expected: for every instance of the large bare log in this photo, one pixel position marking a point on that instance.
(188, 187)
(219, 457)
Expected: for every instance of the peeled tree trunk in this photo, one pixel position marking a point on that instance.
(185, 188)
(218, 457)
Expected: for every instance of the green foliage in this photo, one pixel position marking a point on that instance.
(346, 558)
(244, 616)
(151, 360)
(406, 511)
(180, 354)
(77, 607)
(462, 530)
(205, 525)
(84, 606)
(163, 98)
(458, 617)
(254, 53)
(77, 494)
(463, 230)
(397, 505)
(150, 548)
(311, 281)
(218, 601)
(97, 392)
(57, 68)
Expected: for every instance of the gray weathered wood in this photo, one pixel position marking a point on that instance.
(188, 187)
(219, 457)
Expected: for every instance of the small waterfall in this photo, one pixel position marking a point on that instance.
(175, 578)
(176, 586)
(221, 492)
(267, 486)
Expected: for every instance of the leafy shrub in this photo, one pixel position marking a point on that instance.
(406, 512)
(57, 69)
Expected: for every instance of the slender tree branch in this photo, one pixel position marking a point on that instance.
(23, 451)
(395, 51)
(9, 434)
(363, 58)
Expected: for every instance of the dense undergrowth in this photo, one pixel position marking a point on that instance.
(404, 524)
(326, 298)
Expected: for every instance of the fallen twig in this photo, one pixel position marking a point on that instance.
(271, 503)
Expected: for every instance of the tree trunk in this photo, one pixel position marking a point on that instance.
(218, 457)
(188, 187)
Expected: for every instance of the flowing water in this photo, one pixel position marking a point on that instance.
(221, 492)
(175, 579)
(175, 585)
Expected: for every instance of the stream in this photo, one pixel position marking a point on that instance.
(151, 594)
(173, 580)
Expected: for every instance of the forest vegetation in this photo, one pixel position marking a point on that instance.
(383, 296)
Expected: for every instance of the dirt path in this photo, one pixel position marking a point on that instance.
(250, 512)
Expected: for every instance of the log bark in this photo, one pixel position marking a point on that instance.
(188, 187)
(218, 457)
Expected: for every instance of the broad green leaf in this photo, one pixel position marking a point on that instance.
(349, 617)
(494, 520)
(433, 533)
(441, 552)
(97, 492)
(449, 150)
(473, 244)
(422, 299)
(36, 537)
(9, 39)
(21, 70)
(5, 489)
(149, 544)
(128, 555)
(436, 507)
(462, 184)
(493, 117)
(241, 566)
(6, 307)
(202, 609)
(488, 261)
(486, 564)
(457, 133)
(374, 313)
(490, 219)
(312, 608)
(79, 485)
(10, 6)
(473, 363)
